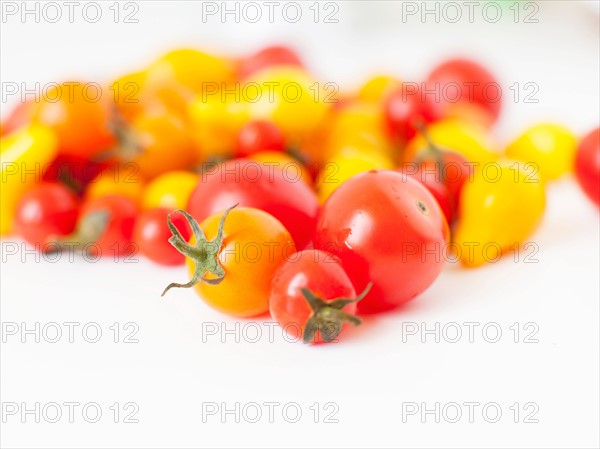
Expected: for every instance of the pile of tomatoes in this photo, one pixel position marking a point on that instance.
(283, 195)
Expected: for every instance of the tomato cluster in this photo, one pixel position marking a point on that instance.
(282, 197)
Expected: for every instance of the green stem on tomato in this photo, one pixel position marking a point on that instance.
(89, 229)
(327, 317)
(204, 253)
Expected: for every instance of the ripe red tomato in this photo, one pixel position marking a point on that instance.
(73, 171)
(444, 174)
(312, 297)
(267, 57)
(252, 184)
(462, 84)
(404, 111)
(105, 226)
(587, 165)
(387, 228)
(151, 234)
(259, 136)
(47, 212)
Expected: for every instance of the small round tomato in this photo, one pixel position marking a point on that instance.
(78, 116)
(157, 144)
(462, 85)
(117, 179)
(105, 226)
(377, 88)
(587, 165)
(151, 234)
(170, 190)
(549, 147)
(268, 57)
(75, 172)
(252, 184)
(259, 136)
(312, 297)
(232, 258)
(405, 110)
(45, 213)
(387, 228)
(294, 169)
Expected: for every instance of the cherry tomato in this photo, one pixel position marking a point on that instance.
(500, 208)
(78, 117)
(259, 136)
(312, 297)
(232, 258)
(438, 190)
(387, 228)
(45, 213)
(251, 184)
(170, 190)
(117, 179)
(151, 235)
(157, 144)
(75, 172)
(378, 88)
(105, 226)
(268, 57)
(550, 147)
(462, 85)
(587, 165)
(405, 109)
(292, 167)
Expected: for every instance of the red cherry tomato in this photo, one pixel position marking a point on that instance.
(259, 136)
(387, 228)
(252, 184)
(438, 190)
(46, 212)
(405, 109)
(151, 234)
(460, 82)
(267, 57)
(587, 165)
(74, 171)
(303, 294)
(111, 219)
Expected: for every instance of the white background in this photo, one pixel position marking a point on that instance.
(176, 367)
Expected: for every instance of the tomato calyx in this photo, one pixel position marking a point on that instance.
(204, 253)
(89, 229)
(431, 150)
(327, 317)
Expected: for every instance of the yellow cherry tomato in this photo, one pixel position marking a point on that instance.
(117, 180)
(215, 122)
(192, 69)
(500, 207)
(290, 98)
(292, 168)
(347, 163)
(467, 139)
(377, 88)
(170, 190)
(24, 155)
(550, 147)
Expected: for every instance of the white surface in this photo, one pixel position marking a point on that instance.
(171, 371)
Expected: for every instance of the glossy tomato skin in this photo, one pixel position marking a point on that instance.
(117, 238)
(267, 57)
(587, 165)
(151, 235)
(318, 271)
(439, 191)
(46, 212)
(259, 136)
(255, 244)
(467, 74)
(387, 228)
(251, 184)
